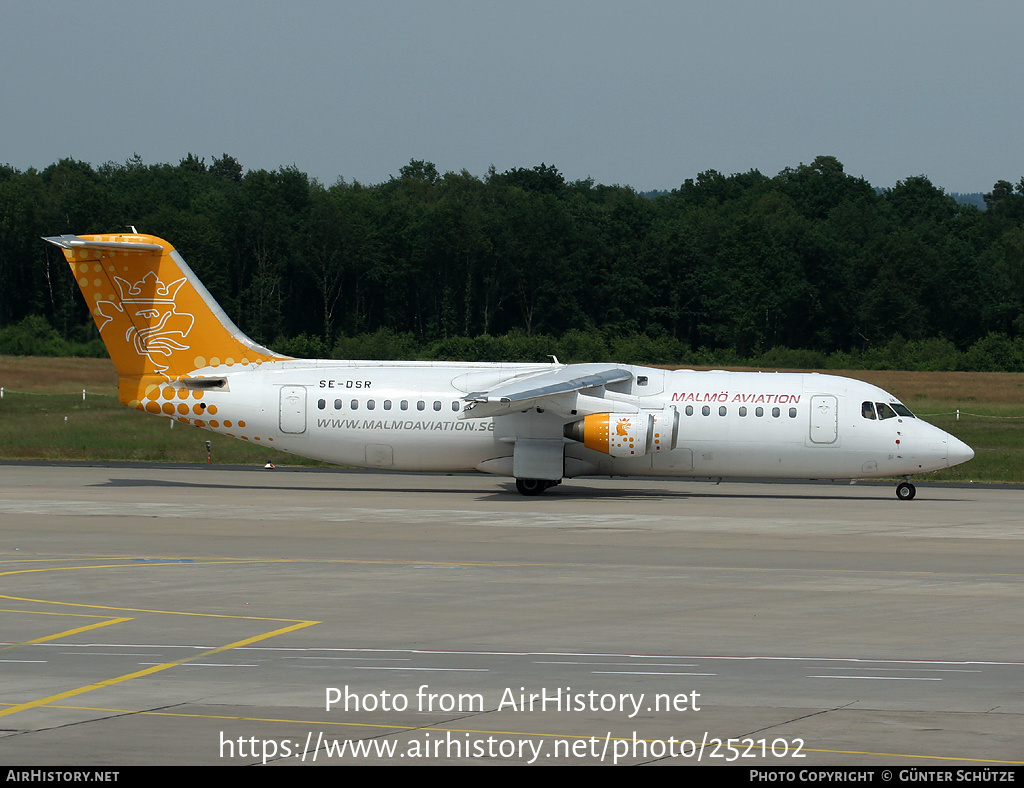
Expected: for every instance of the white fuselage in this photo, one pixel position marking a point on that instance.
(411, 416)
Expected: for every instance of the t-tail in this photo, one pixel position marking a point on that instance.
(160, 324)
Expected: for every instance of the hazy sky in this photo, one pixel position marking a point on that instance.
(639, 93)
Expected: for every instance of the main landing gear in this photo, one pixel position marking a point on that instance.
(534, 486)
(906, 491)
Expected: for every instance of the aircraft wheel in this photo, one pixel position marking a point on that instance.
(905, 491)
(531, 486)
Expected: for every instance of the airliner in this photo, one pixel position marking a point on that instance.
(179, 356)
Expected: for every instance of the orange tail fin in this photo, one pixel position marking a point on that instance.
(158, 321)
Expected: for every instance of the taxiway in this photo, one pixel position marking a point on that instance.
(153, 615)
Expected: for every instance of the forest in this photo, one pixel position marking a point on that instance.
(811, 267)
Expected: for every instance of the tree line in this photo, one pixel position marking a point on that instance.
(812, 261)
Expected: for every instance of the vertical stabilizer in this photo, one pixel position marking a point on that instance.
(156, 318)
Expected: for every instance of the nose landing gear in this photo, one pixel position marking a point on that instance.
(906, 491)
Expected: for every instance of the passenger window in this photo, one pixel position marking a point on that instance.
(722, 410)
(455, 406)
(689, 410)
(759, 412)
(706, 410)
(387, 404)
(370, 404)
(321, 404)
(743, 411)
(792, 413)
(867, 410)
(421, 405)
(337, 404)
(405, 404)
(775, 413)
(437, 404)
(355, 404)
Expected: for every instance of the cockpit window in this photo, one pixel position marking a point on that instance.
(884, 411)
(867, 410)
(903, 410)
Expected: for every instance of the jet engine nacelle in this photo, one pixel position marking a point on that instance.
(617, 434)
(666, 429)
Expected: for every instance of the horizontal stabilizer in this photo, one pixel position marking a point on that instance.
(74, 242)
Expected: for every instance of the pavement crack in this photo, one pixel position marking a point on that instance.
(766, 728)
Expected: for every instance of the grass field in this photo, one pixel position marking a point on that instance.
(43, 416)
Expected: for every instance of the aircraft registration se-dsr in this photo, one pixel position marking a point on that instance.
(178, 355)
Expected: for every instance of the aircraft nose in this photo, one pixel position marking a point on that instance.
(958, 451)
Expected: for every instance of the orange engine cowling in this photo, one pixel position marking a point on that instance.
(617, 434)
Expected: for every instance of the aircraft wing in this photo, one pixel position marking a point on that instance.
(538, 391)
